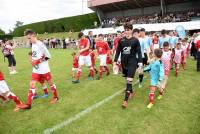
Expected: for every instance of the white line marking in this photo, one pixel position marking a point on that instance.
(79, 115)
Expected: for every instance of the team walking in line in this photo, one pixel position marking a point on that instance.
(133, 53)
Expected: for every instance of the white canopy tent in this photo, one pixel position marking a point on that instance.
(191, 25)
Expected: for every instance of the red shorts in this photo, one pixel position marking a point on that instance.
(41, 77)
(108, 60)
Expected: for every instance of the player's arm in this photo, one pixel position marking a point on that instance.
(118, 51)
(138, 51)
(47, 55)
(148, 68)
(161, 73)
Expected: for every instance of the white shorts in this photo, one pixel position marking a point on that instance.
(102, 59)
(84, 60)
(3, 87)
(74, 69)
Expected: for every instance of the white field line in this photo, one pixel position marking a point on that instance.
(82, 113)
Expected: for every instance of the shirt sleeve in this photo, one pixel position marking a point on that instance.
(148, 68)
(118, 51)
(138, 51)
(46, 52)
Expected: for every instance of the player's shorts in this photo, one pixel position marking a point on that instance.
(102, 59)
(84, 60)
(3, 87)
(74, 69)
(129, 72)
(41, 77)
(109, 60)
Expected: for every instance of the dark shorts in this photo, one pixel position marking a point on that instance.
(129, 71)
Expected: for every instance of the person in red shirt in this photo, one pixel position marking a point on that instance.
(102, 51)
(116, 40)
(84, 58)
(75, 64)
(5, 92)
(92, 55)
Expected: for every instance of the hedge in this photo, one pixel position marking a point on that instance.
(75, 23)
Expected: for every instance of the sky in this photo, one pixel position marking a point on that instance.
(29, 11)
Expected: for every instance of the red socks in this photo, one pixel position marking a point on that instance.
(30, 95)
(151, 97)
(107, 70)
(78, 75)
(14, 98)
(91, 72)
(100, 71)
(45, 89)
(53, 89)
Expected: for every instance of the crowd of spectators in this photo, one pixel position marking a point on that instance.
(153, 18)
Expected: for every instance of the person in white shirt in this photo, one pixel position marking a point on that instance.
(41, 70)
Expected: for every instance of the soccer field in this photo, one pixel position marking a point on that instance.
(177, 113)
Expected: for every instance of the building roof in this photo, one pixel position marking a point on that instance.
(118, 5)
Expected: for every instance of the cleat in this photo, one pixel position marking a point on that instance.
(98, 78)
(53, 100)
(90, 78)
(45, 96)
(125, 104)
(150, 105)
(24, 106)
(35, 97)
(75, 81)
(159, 97)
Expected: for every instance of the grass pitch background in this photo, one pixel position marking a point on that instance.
(177, 113)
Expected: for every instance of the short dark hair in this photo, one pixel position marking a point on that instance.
(89, 32)
(178, 44)
(158, 53)
(100, 35)
(163, 31)
(80, 34)
(29, 32)
(128, 26)
(142, 30)
(136, 30)
(165, 44)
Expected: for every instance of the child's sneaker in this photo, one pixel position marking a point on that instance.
(45, 96)
(159, 97)
(75, 81)
(125, 104)
(150, 105)
(140, 85)
(24, 106)
(90, 78)
(35, 96)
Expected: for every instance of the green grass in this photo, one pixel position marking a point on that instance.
(177, 113)
(61, 35)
